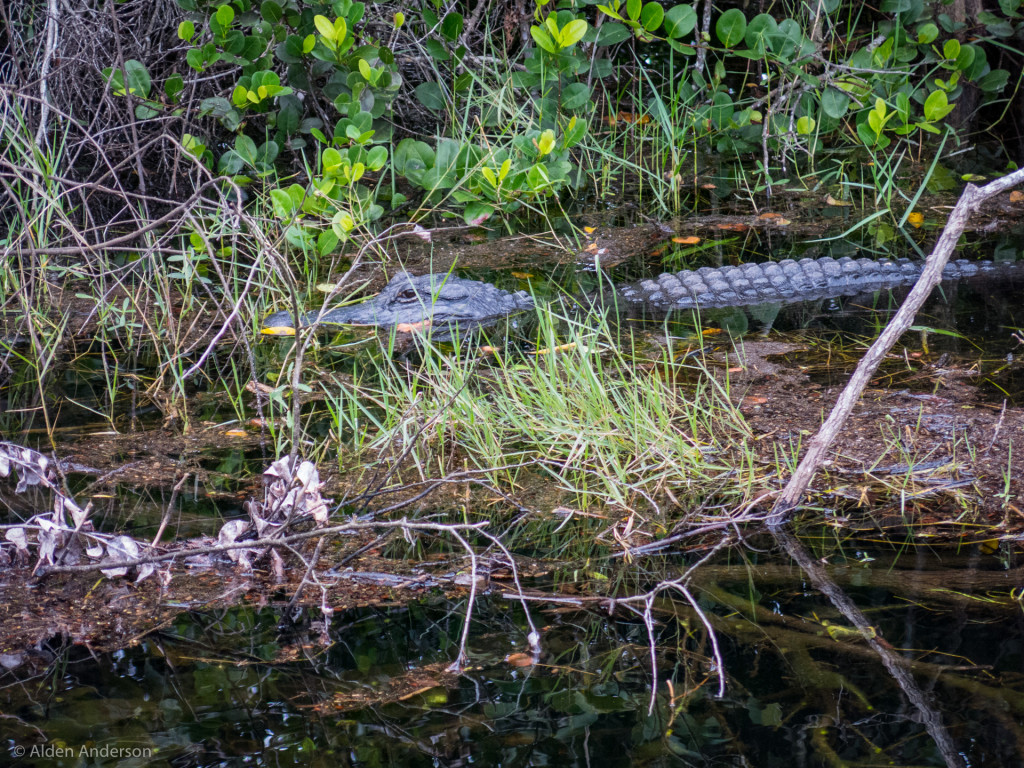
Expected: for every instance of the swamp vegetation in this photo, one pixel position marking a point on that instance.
(592, 533)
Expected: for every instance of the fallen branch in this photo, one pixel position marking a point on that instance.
(931, 276)
(184, 553)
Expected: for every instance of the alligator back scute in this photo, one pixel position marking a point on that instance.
(783, 281)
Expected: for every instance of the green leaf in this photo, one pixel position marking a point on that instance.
(399, 19)
(759, 31)
(271, 11)
(436, 49)
(246, 147)
(268, 152)
(805, 125)
(138, 80)
(937, 106)
(230, 163)
(994, 81)
(572, 33)
(215, 106)
(365, 70)
(574, 132)
(901, 103)
(607, 11)
(995, 26)
(451, 26)
(834, 103)
(611, 33)
(326, 242)
(282, 203)
(324, 27)
(543, 39)
(876, 121)
(174, 85)
(651, 16)
(965, 61)
(431, 96)
(186, 31)
(926, 33)
(192, 145)
(870, 138)
(342, 223)
(331, 159)
(299, 237)
(477, 213)
(575, 95)
(731, 27)
(951, 49)
(225, 15)
(680, 20)
(633, 8)
(376, 158)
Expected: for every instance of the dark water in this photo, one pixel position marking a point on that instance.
(251, 687)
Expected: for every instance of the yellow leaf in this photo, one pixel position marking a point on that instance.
(687, 240)
(559, 348)
(829, 200)
(915, 219)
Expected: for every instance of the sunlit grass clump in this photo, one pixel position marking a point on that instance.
(606, 428)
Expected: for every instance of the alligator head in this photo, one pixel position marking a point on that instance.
(441, 302)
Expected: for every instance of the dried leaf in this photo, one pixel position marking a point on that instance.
(18, 537)
(120, 549)
(520, 660)
(145, 570)
(277, 563)
(420, 232)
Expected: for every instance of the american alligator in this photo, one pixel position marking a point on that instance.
(438, 301)
(443, 301)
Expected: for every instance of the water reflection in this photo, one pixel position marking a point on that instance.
(370, 687)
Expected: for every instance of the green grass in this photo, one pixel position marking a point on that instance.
(594, 427)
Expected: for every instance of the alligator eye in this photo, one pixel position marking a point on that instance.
(407, 295)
